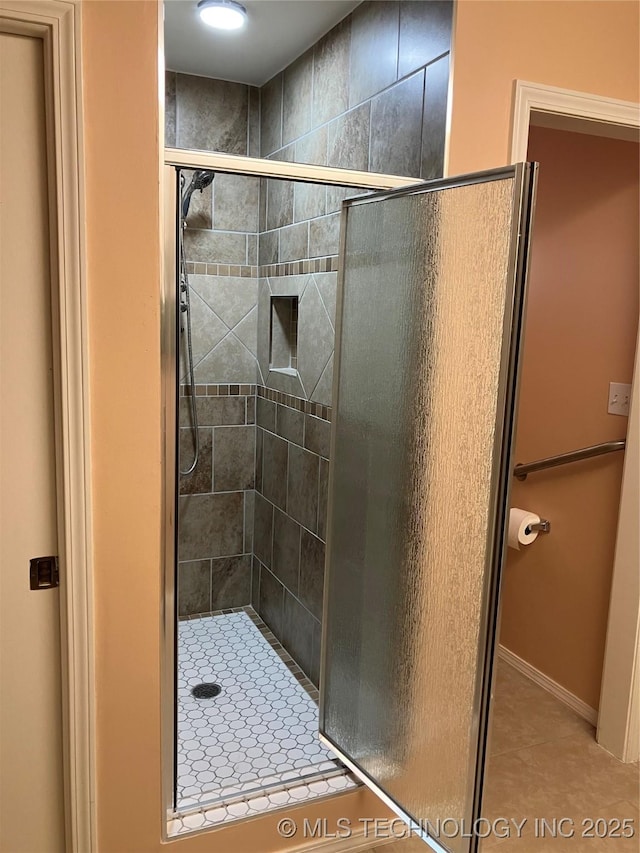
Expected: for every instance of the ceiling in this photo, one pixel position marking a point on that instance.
(276, 33)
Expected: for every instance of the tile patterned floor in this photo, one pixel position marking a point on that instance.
(259, 732)
(545, 762)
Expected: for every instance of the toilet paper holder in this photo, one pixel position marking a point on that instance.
(542, 526)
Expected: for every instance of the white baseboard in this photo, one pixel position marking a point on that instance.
(548, 684)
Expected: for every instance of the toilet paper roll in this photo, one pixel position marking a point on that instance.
(519, 532)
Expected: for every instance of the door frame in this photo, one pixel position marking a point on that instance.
(231, 164)
(57, 24)
(617, 727)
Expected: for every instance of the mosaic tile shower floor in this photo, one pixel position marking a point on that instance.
(260, 731)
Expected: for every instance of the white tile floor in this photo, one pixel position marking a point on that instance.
(260, 731)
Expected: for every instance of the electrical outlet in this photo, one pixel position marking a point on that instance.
(619, 396)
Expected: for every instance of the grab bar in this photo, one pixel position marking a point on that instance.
(520, 471)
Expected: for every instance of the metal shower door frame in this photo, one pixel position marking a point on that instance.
(524, 175)
(175, 159)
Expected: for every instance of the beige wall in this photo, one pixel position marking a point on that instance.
(120, 47)
(588, 46)
(580, 334)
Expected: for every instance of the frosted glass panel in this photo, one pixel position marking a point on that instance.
(419, 446)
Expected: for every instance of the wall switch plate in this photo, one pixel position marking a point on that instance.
(619, 396)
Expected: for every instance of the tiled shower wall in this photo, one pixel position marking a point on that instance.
(215, 506)
(370, 95)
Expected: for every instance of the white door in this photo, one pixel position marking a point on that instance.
(31, 782)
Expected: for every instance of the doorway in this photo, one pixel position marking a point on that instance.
(557, 589)
(253, 332)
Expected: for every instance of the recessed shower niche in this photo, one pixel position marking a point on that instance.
(283, 334)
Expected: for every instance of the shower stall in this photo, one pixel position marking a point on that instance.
(318, 376)
(250, 318)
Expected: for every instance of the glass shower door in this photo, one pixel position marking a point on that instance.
(430, 316)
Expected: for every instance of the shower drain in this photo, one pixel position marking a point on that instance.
(205, 691)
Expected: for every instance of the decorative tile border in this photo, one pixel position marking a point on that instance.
(219, 390)
(235, 270)
(310, 265)
(247, 804)
(306, 406)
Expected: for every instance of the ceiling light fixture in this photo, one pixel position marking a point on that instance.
(222, 14)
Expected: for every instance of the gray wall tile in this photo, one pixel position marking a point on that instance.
(296, 111)
(425, 33)
(317, 435)
(214, 411)
(294, 242)
(435, 119)
(286, 550)
(254, 122)
(210, 525)
(200, 480)
(312, 148)
(266, 414)
(170, 108)
(323, 392)
(279, 203)
(287, 154)
(323, 496)
(268, 247)
(302, 486)
(252, 249)
(236, 202)
(271, 601)
(271, 116)
(234, 452)
(211, 114)
(348, 139)
(194, 587)
(331, 74)
(336, 195)
(324, 236)
(230, 582)
(312, 573)
(274, 469)
(230, 297)
(229, 361)
(263, 530)
(297, 633)
(249, 505)
(259, 457)
(207, 330)
(309, 200)
(327, 284)
(396, 128)
(247, 331)
(290, 424)
(255, 584)
(215, 247)
(251, 410)
(316, 338)
(374, 48)
(314, 675)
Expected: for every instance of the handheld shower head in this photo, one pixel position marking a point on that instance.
(200, 180)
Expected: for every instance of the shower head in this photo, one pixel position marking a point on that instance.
(200, 180)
